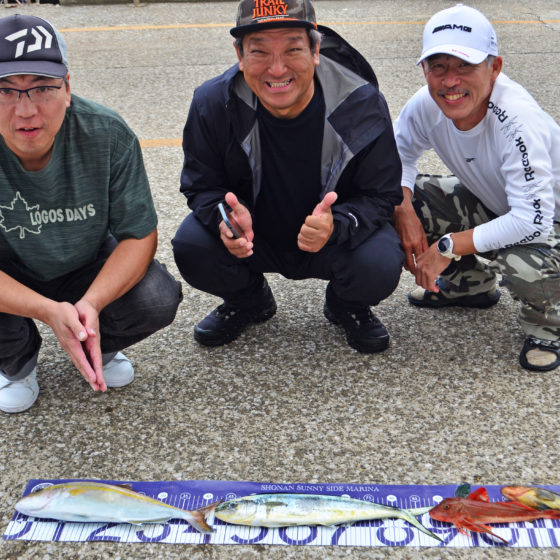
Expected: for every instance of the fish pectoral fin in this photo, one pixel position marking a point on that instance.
(462, 529)
(479, 528)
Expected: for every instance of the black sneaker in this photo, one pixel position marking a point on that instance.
(364, 331)
(229, 320)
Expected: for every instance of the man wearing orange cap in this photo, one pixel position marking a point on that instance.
(296, 140)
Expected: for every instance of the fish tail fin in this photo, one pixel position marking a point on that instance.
(408, 516)
(197, 517)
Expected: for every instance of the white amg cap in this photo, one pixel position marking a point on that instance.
(459, 31)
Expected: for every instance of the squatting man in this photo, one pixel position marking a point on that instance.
(296, 139)
(77, 223)
(503, 201)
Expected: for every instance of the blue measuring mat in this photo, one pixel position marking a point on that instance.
(377, 533)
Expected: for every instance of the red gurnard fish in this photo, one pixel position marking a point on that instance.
(476, 509)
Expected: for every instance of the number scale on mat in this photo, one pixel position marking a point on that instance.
(376, 533)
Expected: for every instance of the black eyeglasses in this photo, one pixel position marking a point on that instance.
(37, 94)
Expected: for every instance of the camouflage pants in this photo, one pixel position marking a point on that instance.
(530, 272)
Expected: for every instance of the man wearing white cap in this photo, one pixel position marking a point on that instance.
(503, 201)
(77, 223)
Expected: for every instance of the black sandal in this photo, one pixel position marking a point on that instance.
(532, 343)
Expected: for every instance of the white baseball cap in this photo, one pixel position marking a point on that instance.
(459, 31)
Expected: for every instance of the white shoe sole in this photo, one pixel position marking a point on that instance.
(20, 408)
(122, 382)
(31, 390)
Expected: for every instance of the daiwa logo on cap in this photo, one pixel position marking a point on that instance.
(269, 8)
(39, 36)
(31, 45)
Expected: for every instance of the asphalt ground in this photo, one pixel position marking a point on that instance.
(288, 401)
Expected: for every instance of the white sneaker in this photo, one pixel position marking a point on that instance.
(17, 396)
(119, 371)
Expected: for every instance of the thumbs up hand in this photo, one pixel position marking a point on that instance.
(318, 227)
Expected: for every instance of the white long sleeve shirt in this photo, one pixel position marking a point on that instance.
(510, 161)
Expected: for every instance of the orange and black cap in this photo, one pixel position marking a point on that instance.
(258, 15)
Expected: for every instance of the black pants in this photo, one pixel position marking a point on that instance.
(144, 309)
(364, 275)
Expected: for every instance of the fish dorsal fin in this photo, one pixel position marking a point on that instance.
(480, 495)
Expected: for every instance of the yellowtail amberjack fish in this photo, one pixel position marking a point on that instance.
(84, 502)
(287, 510)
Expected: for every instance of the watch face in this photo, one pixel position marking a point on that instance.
(444, 244)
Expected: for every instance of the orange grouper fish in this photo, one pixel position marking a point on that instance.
(538, 498)
(84, 501)
(476, 509)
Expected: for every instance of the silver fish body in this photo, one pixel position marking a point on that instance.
(286, 510)
(99, 502)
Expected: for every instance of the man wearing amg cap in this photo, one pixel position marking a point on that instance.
(503, 201)
(77, 223)
(296, 139)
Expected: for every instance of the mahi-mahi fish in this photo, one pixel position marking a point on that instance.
(100, 502)
(287, 510)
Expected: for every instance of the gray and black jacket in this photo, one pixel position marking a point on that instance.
(359, 155)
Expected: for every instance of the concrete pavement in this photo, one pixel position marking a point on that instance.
(289, 401)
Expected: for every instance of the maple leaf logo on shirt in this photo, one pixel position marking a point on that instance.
(17, 217)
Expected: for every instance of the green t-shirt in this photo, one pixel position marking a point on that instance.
(53, 221)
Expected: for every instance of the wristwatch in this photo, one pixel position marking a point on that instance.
(445, 247)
